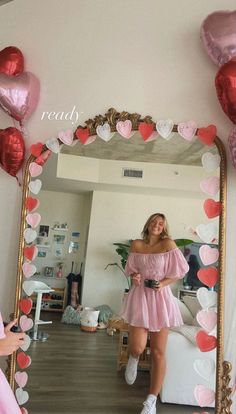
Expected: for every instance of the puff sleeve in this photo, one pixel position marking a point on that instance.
(130, 266)
(176, 265)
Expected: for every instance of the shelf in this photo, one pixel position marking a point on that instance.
(59, 229)
(50, 310)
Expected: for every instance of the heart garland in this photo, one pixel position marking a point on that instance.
(35, 186)
(66, 137)
(104, 132)
(36, 149)
(210, 185)
(207, 319)
(23, 360)
(30, 235)
(207, 135)
(21, 378)
(206, 298)
(187, 130)
(30, 253)
(207, 232)
(145, 130)
(205, 342)
(208, 254)
(35, 169)
(212, 208)
(31, 204)
(164, 128)
(205, 368)
(204, 396)
(210, 162)
(26, 344)
(53, 145)
(25, 305)
(26, 323)
(21, 396)
(208, 276)
(33, 219)
(125, 128)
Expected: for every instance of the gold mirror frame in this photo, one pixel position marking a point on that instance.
(223, 391)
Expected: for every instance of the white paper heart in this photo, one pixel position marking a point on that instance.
(26, 323)
(207, 319)
(125, 128)
(30, 235)
(210, 162)
(28, 269)
(28, 287)
(35, 169)
(207, 232)
(208, 254)
(210, 185)
(53, 145)
(35, 186)
(187, 130)
(26, 343)
(104, 132)
(205, 368)
(33, 219)
(21, 378)
(164, 128)
(206, 298)
(21, 396)
(204, 396)
(66, 136)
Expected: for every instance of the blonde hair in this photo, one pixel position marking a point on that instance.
(165, 232)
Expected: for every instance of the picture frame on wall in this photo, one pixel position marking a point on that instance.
(48, 271)
(43, 231)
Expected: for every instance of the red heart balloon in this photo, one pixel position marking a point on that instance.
(36, 149)
(30, 252)
(11, 61)
(212, 208)
(207, 135)
(205, 342)
(43, 157)
(31, 203)
(12, 150)
(23, 360)
(208, 276)
(82, 134)
(225, 83)
(25, 305)
(145, 130)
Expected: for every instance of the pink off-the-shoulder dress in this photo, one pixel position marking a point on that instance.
(8, 404)
(145, 308)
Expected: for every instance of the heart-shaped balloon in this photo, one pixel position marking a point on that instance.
(225, 83)
(26, 323)
(35, 186)
(208, 254)
(206, 298)
(21, 378)
(218, 33)
(205, 368)
(11, 61)
(19, 95)
(207, 319)
(212, 208)
(210, 162)
(205, 342)
(207, 232)
(164, 128)
(25, 305)
(53, 145)
(205, 396)
(104, 132)
(125, 128)
(232, 146)
(12, 150)
(23, 360)
(187, 130)
(35, 169)
(66, 136)
(26, 344)
(208, 276)
(146, 130)
(82, 134)
(207, 135)
(31, 203)
(28, 269)
(210, 185)
(21, 396)
(30, 253)
(30, 235)
(33, 219)
(36, 149)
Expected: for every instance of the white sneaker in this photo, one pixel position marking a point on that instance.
(149, 406)
(131, 370)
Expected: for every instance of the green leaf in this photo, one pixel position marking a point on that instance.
(183, 242)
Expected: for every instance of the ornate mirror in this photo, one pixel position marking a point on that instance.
(96, 191)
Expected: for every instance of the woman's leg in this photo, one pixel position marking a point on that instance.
(158, 341)
(137, 340)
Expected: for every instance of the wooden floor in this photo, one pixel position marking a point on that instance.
(74, 372)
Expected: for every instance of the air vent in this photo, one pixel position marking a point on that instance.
(132, 173)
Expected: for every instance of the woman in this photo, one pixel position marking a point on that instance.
(9, 342)
(153, 309)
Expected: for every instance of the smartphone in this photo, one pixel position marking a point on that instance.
(151, 283)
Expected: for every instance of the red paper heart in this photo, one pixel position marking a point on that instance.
(145, 130)
(26, 305)
(36, 149)
(207, 135)
(12, 150)
(11, 61)
(30, 252)
(24, 411)
(43, 157)
(208, 276)
(212, 208)
(82, 134)
(31, 203)
(23, 360)
(205, 342)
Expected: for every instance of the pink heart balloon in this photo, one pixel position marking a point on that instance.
(232, 146)
(207, 319)
(218, 33)
(204, 396)
(208, 255)
(19, 95)
(210, 185)
(26, 323)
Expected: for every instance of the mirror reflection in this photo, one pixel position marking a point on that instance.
(94, 201)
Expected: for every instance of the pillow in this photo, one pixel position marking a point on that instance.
(185, 312)
(192, 303)
(105, 313)
(71, 316)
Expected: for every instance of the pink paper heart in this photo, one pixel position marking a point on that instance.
(208, 255)
(21, 378)
(124, 128)
(210, 185)
(28, 269)
(66, 136)
(207, 319)
(26, 323)
(204, 396)
(35, 169)
(33, 219)
(187, 130)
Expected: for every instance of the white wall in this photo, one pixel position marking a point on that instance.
(136, 55)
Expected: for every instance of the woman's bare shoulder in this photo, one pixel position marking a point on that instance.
(136, 245)
(168, 244)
